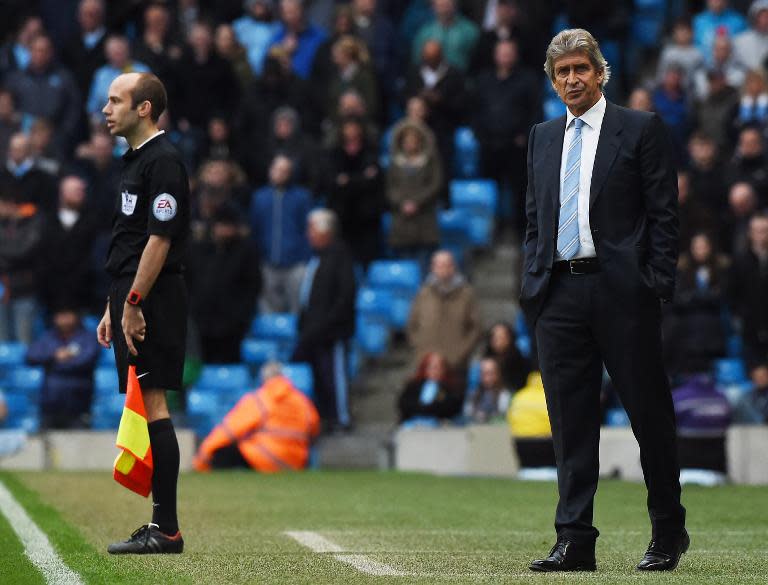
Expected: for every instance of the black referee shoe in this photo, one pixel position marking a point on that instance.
(148, 540)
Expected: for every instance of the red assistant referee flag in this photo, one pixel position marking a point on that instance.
(133, 466)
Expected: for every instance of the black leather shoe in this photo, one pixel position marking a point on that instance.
(663, 553)
(567, 556)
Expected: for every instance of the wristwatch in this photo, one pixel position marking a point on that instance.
(134, 298)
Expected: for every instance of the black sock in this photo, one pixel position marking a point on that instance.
(165, 456)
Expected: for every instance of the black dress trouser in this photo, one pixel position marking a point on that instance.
(581, 326)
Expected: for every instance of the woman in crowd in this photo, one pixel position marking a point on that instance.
(491, 399)
(501, 345)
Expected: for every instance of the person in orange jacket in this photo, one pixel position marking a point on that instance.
(269, 429)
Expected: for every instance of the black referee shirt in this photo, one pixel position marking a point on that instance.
(153, 200)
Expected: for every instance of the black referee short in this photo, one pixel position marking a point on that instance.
(160, 363)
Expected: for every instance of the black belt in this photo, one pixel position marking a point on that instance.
(577, 266)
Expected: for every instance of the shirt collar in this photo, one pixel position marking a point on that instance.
(155, 135)
(592, 117)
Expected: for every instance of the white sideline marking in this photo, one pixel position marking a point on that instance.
(36, 544)
(319, 544)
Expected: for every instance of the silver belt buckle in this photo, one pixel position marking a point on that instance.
(572, 265)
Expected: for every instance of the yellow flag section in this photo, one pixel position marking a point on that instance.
(133, 466)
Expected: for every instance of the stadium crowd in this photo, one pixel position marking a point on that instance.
(280, 107)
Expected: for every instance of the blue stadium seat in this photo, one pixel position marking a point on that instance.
(524, 345)
(616, 417)
(300, 375)
(28, 379)
(256, 352)
(466, 160)
(481, 230)
(400, 310)
(420, 422)
(91, 322)
(106, 357)
(735, 345)
(477, 195)
(395, 275)
(454, 227)
(473, 377)
(234, 378)
(12, 353)
(106, 410)
(372, 337)
(280, 327)
(374, 303)
(22, 413)
(205, 409)
(730, 371)
(385, 144)
(105, 380)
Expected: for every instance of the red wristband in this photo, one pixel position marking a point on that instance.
(134, 298)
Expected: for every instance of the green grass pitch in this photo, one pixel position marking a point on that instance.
(416, 528)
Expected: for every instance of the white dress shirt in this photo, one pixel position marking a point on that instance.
(590, 134)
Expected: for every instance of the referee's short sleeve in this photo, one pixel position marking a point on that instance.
(168, 191)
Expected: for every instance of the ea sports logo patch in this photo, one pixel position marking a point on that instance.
(164, 207)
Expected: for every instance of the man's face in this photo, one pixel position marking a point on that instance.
(291, 12)
(365, 7)
(750, 144)
(577, 82)
(120, 115)
(443, 267)
(90, 15)
(200, 38)
(505, 55)
(432, 54)
(65, 322)
(72, 193)
(280, 171)
(117, 52)
(721, 50)
(758, 232)
(444, 9)
(489, 374)
(18, 148)
(40, 54)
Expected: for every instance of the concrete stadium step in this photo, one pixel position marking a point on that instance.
(365, 447)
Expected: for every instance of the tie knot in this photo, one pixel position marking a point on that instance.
(578, 123)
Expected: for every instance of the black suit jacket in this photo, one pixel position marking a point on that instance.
(632, 212)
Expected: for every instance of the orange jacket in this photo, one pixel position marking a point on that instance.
(272, 426)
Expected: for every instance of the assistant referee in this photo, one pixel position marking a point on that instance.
(148, 297)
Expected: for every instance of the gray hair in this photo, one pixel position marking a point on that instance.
(324, 220)
(270, 370)
(576, 40)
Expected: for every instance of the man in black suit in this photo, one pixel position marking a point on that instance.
(327, 318)
(600, 256)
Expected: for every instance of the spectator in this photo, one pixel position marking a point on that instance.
(351, 106)
(377, 31)
(681, 51)
(641, 100)
(219, 182)
(413, 182)
(119, 61)
(96, 161)
(722, 61)
(445, 316)
(352, 72)
(490, 400)
(279, 215)
(21, 178)
(506, 105)
(716, 111)
(205, 81)
(500, 344)
(707, 173)
(751, 46)
(69, 235)
(15, 54)
(297, 37)
(694, 331)
(21, 234)
(44, 152)
(441, 86)
(432, 392)
(84, 53)
(456, 34)
(753, 107)
(749, 291)
(734, 224)
(254, 31)
(10, 121)
(159, 47)
(703, 415)
(323, 66)
(327, 318)
(509, 25)
(529, 424)
(48, 91)
(68, 352)
(355, 194)
(224, 284)
(219, 144)
(694, 215)
(270, 429)
(672, 103)
(749, 163)
(227, 47)
(716, 20)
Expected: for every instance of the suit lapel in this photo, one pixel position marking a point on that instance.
(555, 150)
(607, 149)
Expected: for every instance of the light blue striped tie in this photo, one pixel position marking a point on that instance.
(568, 228)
